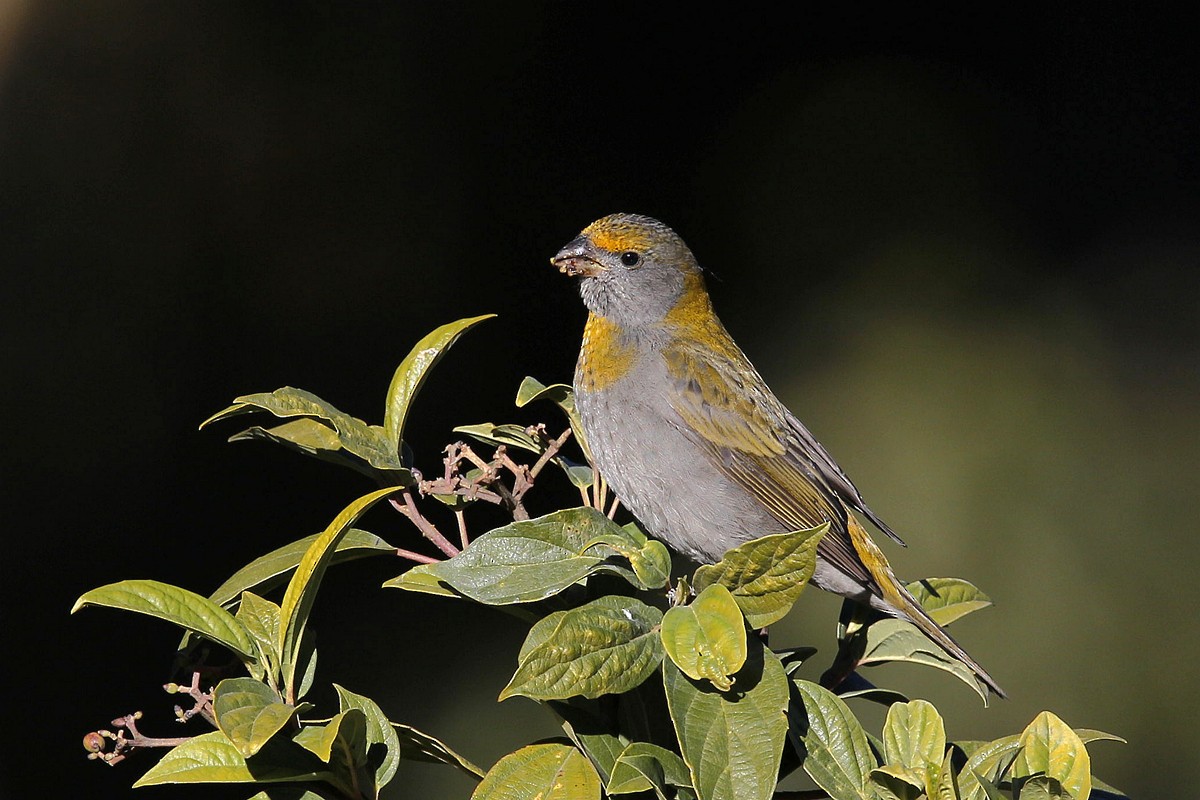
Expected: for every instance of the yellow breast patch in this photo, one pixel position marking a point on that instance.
(604, 358)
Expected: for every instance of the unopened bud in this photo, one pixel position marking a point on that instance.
(93, 742)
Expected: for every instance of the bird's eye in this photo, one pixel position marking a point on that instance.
(630, 258)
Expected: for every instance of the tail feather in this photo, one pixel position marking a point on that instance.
(905, 606)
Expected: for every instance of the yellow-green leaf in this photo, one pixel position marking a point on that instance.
(541, 772)
(1048, 745)
(914, 737)
(249, 712)
(706, 639)
(766, 575)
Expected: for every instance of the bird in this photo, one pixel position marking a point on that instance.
(695, 444)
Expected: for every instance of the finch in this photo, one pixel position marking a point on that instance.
(694, 442)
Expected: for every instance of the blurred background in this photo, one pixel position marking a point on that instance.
(962, 248)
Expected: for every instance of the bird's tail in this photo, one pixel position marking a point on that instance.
(906, 606)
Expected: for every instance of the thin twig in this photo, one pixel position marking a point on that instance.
(462, 528)
(420, 558)
(409, 509)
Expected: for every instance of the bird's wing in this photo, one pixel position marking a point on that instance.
(838, 480)
(729, 412)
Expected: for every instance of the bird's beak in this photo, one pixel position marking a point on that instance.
(577, 259)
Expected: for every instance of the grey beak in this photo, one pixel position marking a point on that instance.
(577, 259)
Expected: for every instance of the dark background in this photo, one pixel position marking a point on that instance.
(962, 248)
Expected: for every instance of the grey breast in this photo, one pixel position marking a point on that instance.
(669, 483)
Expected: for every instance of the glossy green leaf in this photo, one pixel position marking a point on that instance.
(212, 758)
(541, 772)
(378, 731)
(306, 579)
(416, 745)
(414, 369)
(368, 442)
(266, 572)
(914, 737)
(898, 640)
(186, 609)
(948, 599)
(532, 559)
(593, 727)
(608, 646)
(832, 743)
(310, 436)
(1049, 746)
(732, 742)
(706, 639)
(647, 767)
(249, 713)
(766, 575)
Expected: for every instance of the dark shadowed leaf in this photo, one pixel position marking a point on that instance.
(379, 731)
(416, 745)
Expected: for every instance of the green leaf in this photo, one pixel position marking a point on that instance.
(732, 742)
(649, 558)
(419, 579)
(508, 435)
(302, 589)
(1049, 746)
(896, 783)
(266, 572)
(368, 442)
(992, 760)
(914, 736)
(306, 435)
(341, 742)
(414, 369)
(186, 609)
(897, 640)
(418, 746)
(379, 731)
(530, 560)
(1043, 787)
(766, 575)
(948, 599)
(261, 620)
(707, 638)
(532, 390)
(642, 766)
(608, 646)
(541, 772)
(249, 712)
(831, 743)
(212, 758)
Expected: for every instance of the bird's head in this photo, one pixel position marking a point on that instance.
(634, 270)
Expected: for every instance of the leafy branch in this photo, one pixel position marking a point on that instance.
(664, 688)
